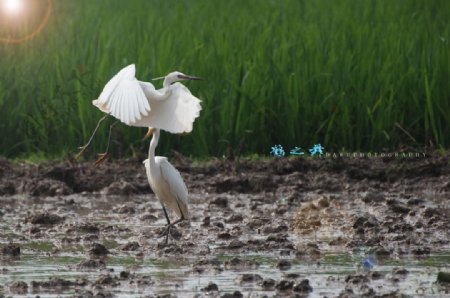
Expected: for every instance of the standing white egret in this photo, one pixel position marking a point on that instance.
(167, 183)
(172, 108)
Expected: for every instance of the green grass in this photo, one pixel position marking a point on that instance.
(346, 74)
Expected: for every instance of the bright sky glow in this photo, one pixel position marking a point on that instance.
(12, 6)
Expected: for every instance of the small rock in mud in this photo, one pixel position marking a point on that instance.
(44, 219)
(279, 238)
(7, 188)
(356, 279)
(234, 218)
(415, 201)
(268, 284)
(210, 288)
(130, 246)
(372, 197)
(400, 271)
(170, 248)
(148, 217)
(235, 294)
(398, 207)
(284, 265)
(221, 202)
(107, 280)
(398, 274)
(124, 274)
(11, 250)
(84, 228)
(382, 252)
(250, 278)
(303, 287)
(430, 212)
(269, 229)
(443, 277)
(237, 263)
(224, 236)
(19, 288)
(56, 282)
(207, 264)
(98, 249)
(91, 264)
(366, 220)
(284, 285)
(124, 209)
(422, 250)
(121, 188)
(206, 221)
(235, 244)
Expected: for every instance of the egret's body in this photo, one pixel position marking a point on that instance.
(167, 183)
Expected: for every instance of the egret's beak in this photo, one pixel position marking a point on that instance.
(149, 133)
(192, 78)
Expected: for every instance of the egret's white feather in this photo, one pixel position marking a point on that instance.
(123, 97)
(174, 114)
(175, 184)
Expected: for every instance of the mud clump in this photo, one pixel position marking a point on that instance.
(251, 278)
(443, 278)
(98, 249)
(211, 287)
(19, 288)
(91, 264)
(10, 250)
(46, 187)
(44, 219)
(57, 283)
(303, 287)
(130, 246)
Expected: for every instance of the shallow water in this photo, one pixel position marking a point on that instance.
(175, 275)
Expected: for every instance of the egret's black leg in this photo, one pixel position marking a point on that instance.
(83, 148)
(165, 213)
(170, 226)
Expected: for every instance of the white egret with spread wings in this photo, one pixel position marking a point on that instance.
(172, 108)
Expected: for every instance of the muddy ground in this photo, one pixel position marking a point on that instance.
(293, 211)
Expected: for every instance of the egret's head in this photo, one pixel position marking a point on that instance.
(177, 76)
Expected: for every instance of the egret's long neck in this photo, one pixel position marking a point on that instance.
(167, 82)
(153, 144)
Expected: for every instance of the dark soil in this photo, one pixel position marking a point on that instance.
(289, 207)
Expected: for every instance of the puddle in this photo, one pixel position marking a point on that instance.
(176, 276)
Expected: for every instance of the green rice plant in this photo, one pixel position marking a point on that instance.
(350, 74)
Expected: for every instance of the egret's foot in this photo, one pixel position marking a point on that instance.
(101, 158)
(82, 149)
(170, 230)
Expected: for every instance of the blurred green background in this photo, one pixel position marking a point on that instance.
(349, 74)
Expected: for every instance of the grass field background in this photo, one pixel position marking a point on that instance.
(350, 74)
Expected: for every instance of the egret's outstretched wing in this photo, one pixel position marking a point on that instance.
(175, 113)
(123, 97)
(175, 184)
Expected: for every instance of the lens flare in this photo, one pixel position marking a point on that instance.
(13, 6)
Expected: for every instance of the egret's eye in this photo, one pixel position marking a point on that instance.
(179, 76)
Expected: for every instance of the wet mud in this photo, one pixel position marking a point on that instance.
(280, 227)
